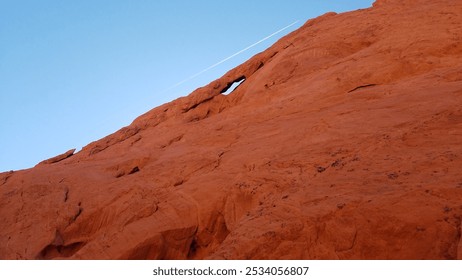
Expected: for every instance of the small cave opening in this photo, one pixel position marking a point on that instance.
(230, 87)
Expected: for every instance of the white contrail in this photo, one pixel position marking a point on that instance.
(231, 56)
(126, 109)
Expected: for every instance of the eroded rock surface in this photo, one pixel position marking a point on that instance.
(58, 158)
(343, 142)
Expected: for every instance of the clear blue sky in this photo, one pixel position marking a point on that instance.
(72, 72)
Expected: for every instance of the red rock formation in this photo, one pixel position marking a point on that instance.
(343, 142)
(59, 157)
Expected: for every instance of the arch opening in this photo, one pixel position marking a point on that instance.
(230, 87)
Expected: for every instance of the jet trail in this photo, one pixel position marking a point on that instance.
(126, 109)
(231, 56)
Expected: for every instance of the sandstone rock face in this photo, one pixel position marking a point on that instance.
(343, 142)
(59, 157)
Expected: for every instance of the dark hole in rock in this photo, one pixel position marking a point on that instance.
(193, 248)
(230, 87)
(60, 251)
(134, 170)
(361, 87)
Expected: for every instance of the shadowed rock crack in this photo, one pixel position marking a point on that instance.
(363, 86)
(197, 104)
(78, 213)
(6, 177)
(58, 248)
(66, 194)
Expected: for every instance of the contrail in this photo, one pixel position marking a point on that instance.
(231, 56)
(210, 67)
(106, 120)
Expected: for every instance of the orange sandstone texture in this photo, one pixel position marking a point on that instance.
(343, 142)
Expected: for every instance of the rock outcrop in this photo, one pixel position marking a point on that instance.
(343, 142)
(59, 157)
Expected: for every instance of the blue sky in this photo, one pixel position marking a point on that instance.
(72, 72)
